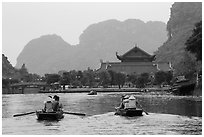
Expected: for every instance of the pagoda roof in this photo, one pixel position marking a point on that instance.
(135, 54)
(135, 67)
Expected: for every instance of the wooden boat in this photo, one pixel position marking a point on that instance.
(183, 87)
(129, 112)
(49, 115)
(92, 92)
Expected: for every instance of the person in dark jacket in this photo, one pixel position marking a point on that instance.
(57, 106)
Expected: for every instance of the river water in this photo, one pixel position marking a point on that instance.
(168, 115)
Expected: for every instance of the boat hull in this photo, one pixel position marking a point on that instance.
(184, 89)
(92, 93)
(129, 112)
(49, 115)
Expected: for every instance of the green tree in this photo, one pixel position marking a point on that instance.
(169, 77)
(194, 43)
(113, 78)
(132, 78)
(142, 80)
(85, 79)
(8, 81)
(23, 74)
(52, 78)
(65, 79)
(31, 77)
(120, 79)
(88, 78)
(186, 65)
(145, 76)
(35, 77)
(23, 70)
(162, 76)
(105, 78)
(140, 83)
(73, 75)
(76, 83)
(5, 82)
(79, 75)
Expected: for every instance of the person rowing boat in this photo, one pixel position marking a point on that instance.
(48, 105)
(128, 107)
(52, 104)
(128, 102)
(57, 106)
(52, 109)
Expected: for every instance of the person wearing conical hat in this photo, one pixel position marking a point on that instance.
(126, 97)
(123, 101)
(132, 103)
(126, 101)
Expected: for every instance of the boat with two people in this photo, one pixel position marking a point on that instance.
(129, 107)
(52, 109)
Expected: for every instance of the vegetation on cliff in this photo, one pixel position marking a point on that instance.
(12, 75)
(184, 16)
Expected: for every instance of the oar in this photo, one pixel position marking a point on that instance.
(73, 113)
(143, 109)
(16, 115)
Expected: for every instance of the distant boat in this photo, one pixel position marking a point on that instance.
(183, 87)
(92, 92)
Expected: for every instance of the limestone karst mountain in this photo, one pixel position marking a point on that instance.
(50, 53)
(46, 54)
(180, 26)
(7, 69)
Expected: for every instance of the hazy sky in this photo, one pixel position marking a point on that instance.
(22, 22)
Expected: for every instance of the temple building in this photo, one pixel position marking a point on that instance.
(135, 61)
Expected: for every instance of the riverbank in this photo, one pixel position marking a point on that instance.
(151, 92)
(87, 90)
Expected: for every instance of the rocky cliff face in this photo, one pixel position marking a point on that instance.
(183, 17)
(7, 69)
(50, 53)
(104, 39)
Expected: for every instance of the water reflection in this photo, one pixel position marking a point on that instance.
(48, 122)
(176, 106)
(100, 104)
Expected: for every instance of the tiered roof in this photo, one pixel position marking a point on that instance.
(135, 55)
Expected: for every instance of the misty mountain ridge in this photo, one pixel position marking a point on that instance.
(50, 53)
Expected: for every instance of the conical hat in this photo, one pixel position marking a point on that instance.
(132, 97)
(127, 96)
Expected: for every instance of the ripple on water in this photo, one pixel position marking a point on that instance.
(109, 124)
(100, 119)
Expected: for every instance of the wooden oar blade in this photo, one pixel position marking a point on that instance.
(73, 113)
(16, 115)
(143, 109)
(146, 112)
